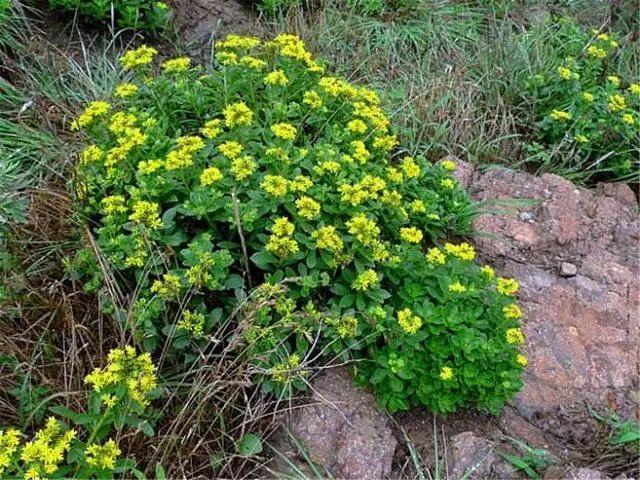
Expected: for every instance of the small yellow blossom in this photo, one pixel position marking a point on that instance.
(436, 256)
(411, 234)
(176, 65)
(514, 336)
(581, 138)
(410, 167)
(169, 287)
(522, 360)
(447, 183)
(312, 99)
(588, 97)
(237, 115)
(138, 58)
(275, 185)
(230, 149)
(94, 110)
(307, 207)
(243, 167)
(282, 227)
(634, 88)
(560, 115)
(212, 128)
(285, 131)
(409, 322)
(628, 119)
(277, 77)
(617, 103)
(147, 214)
(356, 126)
(615, 80)
(512, 311)
(463, 251)
(328, 239)
(210, 176)
(363, 229)
(446, 374)
(126, 90)
(457, 287)
(507, 286)
(448, 165)
(365, 280)
(596, 52)
(488, 272)
(226, 58)
(103, 456)
(359, 151)
(192, 323)
(564, 73)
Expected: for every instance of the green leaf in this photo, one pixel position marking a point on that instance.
(263, 259)
(249, 445)
(160, 474)
(65, 412)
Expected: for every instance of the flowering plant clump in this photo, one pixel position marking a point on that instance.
(137, 14)
(586, 109)
(270, 179)
(120, 393)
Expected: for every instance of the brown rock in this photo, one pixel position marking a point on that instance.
(582, 332)
(470, 456)
(342, 430)
(583, 474)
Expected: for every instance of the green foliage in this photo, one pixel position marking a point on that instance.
(120, 395)
(533, 461)
(268, 173)
(587, 113)
(137, 14)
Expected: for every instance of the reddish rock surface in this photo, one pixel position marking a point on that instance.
(582, 330)
(342, 431)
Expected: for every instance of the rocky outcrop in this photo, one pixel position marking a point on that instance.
(575, 253)
(341, 431)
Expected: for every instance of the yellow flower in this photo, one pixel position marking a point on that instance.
(212, 128)
(138, 58)
(418, 206)
(9, 443)
(91, 154)
(446, 374)
(359, 151)
(243, 167)
(634, 88)
(113, 204)
(275, 185)
(277, 77)
(394, 175)
(463, 251)
(169, 287)
(588, 97)
(300, 183)
(596, 52)
(356, 126)
(365, 280)
(282, 227)
(237, 115)
(457, 287)
(230, 149)
(282, 247)
(328, 239)
(522, 360)
(560, 115)
(192, 323)
(239, 41)
(448, 165)
(125, 90)
(177, 65)
(614, 79)
(507, 286)
(94, 110)
(411, 234)
(210, 176)
(410, 167)
(124, 368)
(435, 255)
(617, 103)
(514, 336)
(581, 139)
(512, 311)
(312, 98)
(226, 58)
(385, 143)
(447, 183)
(365, 230)
(253, 62)
(564, 73)
(409, 322)
(488, 272)
(307, 207)
(628, 118)
(147, 214)
(285, 131)
(103, 456)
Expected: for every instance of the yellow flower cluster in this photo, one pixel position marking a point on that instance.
(507, 286)
(285, 131)
(9, 443)
(277, 78)
(275, 185)
(126, 90)
(182, 157)
(366, 280)
(192, 323)
(139, 57)
(522, 360)
(436, 256)
(560, 115)
(169, 287)
(176, 65)
(307, 207)
(286, 371)
(209, 176)
(463, 251)
(281, 243)
(515, 336)
(446, 374)
(409, 322)
(411, 234)
(457, 287)
(43, 455)
(363, 229)
(346, 326)
(94, 110)
(147, 214)
(617, 103)
(328, 239)
(103, 456)
(237, 115)
(512, 311)
(124, 368)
